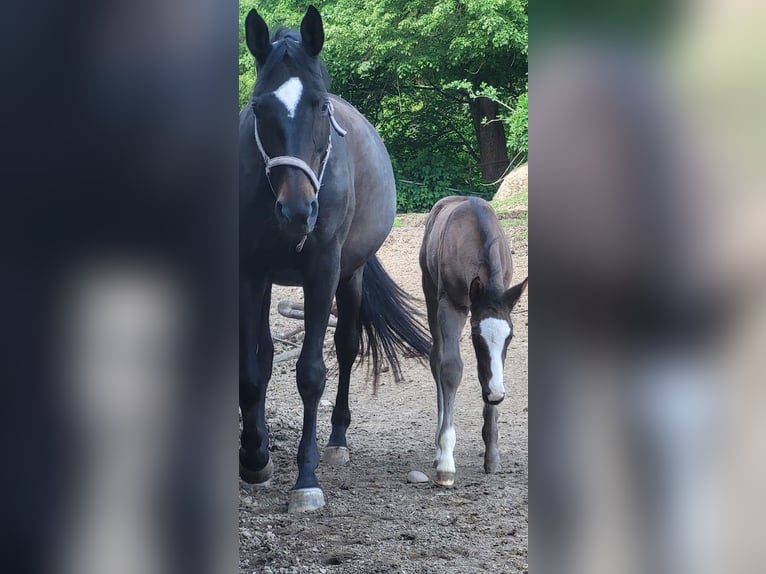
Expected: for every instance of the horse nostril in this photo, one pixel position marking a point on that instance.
(314, 209)
(282, 213)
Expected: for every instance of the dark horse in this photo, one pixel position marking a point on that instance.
(317, 200)
(466, 265)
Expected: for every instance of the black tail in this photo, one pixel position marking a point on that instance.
(388, 317)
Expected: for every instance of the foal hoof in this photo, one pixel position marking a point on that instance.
(305, 500)
(257, 476)
(336, 455)
(444, 478)
(492, 467)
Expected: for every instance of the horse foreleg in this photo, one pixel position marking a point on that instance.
(489, 434)
(347, 334)
(318, 291)
(451, 322)
(256, 353)
(432, 303)
(435, 360)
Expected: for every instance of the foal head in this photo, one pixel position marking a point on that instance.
(291, 107)
(491, 332)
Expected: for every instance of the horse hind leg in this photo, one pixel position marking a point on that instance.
(489, 434)
(255, 366)
(347, 334)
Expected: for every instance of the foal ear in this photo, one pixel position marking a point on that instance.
(312, 32)
(257, 36)
(476, 289)
(512, 295)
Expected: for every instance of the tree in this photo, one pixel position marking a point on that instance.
(455, 48)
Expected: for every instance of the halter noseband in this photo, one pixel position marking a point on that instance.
(292, 161)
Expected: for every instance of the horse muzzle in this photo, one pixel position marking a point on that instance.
(297, 217)
(493, 398)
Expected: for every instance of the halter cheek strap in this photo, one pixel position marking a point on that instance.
(292, 161)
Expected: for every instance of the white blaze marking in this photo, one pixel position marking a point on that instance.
(289, 94)
(495, 332)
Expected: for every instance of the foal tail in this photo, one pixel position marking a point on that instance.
(388, 317)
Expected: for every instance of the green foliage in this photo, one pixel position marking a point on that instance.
(517, 128)
(411, 67)
(431, 180)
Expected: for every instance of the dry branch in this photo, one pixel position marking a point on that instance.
(287, 355)
(286, 341)
(289, 334)
(288, 305)
(294, 310)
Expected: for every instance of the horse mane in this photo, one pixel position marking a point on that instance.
(488, 239)
(286, 42)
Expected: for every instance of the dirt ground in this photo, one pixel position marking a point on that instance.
(374, 521)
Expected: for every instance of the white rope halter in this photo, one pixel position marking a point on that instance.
(292, 161)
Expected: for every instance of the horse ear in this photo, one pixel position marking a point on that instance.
(476, 289)
(512, 295)
(312, 31)
(257, 36)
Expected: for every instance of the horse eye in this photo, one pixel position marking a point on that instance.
(325, 108)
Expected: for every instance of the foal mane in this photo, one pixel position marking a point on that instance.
(488, 239)
(286, 43)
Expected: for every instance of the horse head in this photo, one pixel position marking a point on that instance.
(293, 117)
(491, 332)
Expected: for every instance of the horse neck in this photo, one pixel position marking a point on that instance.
(492, 264)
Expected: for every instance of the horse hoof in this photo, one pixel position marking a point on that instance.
(444, 478)
(257, 477)
(336, 455)
(305, 500)
(492, 467)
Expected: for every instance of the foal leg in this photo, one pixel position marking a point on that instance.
(432, 303)
(435, 359)
(347, 333)
(256, 352)
(319, 287)
(489, 434)
(451, 322)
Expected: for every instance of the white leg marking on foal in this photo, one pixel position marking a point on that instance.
(438, 430)
(289, 94)
(446, 446)
(494, 332)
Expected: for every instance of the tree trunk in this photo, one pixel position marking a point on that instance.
(493, 155)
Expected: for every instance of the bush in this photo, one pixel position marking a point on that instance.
(422, 182)
(418, 187)
(517, 128)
